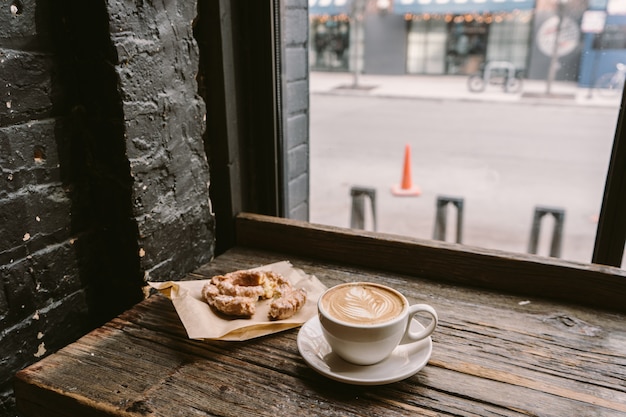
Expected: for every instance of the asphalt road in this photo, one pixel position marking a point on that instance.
(503, 159)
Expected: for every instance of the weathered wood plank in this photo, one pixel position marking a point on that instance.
(491, 357)
(555, 340)
(527, 275)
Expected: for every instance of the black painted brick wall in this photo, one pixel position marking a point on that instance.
(42, 303)
(102, 168)
(164, 119)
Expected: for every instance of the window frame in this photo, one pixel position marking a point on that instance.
(611, 232)
(236, 149)
(239, 80)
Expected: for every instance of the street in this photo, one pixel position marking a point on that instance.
(503, 159)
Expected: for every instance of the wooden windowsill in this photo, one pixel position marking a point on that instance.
(524, 275)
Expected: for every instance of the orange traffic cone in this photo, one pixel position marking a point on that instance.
(406, 188)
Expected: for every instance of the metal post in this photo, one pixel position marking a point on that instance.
(357, 217)
(442, 217)
(557, 232)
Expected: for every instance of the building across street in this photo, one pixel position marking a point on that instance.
(561, 40)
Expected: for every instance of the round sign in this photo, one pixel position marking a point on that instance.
(569, 36)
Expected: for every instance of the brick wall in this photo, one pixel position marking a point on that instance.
(104, 178)
(42, 299)
(164, 119)
(295, 32)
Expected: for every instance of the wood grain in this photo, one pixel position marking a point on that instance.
(527, 275)
(491, 357)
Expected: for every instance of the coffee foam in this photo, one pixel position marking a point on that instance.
(362, 304)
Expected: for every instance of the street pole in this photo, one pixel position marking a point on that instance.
(358, 7)
(356, 69)
(554, 59)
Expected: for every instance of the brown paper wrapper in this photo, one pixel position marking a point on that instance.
(201, 321)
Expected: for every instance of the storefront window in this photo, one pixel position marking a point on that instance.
(461, 44)
(509, 39)
(613, 37)
(330, 43)
(426, 50)
(467, 44)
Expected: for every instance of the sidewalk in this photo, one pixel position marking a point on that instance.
(436, 87)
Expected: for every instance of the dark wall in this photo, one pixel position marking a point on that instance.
(42, 296)
(104, 178)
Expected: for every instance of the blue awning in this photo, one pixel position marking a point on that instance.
(329, 7)
(336, 7)
(460, 6)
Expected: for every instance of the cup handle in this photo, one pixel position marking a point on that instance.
(424, 333)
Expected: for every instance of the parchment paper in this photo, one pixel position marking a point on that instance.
(201, 322)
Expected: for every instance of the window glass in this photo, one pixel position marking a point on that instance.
(330, 42)
(497, 134)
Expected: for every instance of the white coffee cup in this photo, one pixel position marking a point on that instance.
(364, 322)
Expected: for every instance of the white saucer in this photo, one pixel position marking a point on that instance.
(406, 360)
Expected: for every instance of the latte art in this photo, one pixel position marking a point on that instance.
(362, 304)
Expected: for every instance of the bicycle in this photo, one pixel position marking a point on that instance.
(611, 84)
(496, 73)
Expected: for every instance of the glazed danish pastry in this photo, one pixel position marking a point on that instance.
(237, 293)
